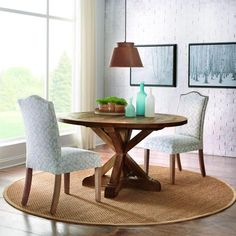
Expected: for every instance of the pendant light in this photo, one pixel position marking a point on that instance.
(125, 54)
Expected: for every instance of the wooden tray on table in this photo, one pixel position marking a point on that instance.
(108, 113)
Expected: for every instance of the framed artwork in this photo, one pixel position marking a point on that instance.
(159, 66)
(212, 65)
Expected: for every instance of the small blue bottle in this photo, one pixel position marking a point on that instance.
(140, 101)
(130, 109)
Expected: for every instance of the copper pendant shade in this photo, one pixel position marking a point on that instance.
(125, 54)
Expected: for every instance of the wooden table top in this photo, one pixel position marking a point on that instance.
(90, 119)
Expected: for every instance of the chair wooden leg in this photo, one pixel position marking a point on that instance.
(178, 162)
(67, 183)
(56, 194)
(172, 168)
(27, 187)
(146, 160)
(201, 162)
(98, 183)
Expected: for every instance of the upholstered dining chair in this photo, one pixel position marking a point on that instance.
(186, 138)
(44, 152)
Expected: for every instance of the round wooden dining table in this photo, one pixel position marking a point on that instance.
(115, 131)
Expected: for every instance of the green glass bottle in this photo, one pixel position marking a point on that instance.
(140, 101)
(130, 109)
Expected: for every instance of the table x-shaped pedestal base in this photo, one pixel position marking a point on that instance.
(126, 172)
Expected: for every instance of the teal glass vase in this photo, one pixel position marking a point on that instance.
(140, 101)
(130, 109)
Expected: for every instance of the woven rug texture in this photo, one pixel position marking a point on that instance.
(191, 197)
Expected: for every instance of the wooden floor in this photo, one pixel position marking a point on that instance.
(17, 223)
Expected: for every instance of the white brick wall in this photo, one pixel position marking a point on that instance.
(181, 22)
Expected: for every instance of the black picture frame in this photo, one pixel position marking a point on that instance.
(160, 62)
(212, 65)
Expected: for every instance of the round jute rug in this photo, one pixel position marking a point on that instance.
(191, 197)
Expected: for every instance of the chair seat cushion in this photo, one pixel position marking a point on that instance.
(73, 159)
(172, 144)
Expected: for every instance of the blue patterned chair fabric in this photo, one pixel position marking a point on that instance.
(43, 147)
(188, 137)
(44, 153)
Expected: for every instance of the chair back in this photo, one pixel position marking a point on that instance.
(42, 134)
(193, 106)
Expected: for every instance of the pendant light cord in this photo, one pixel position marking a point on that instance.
(125, 18)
